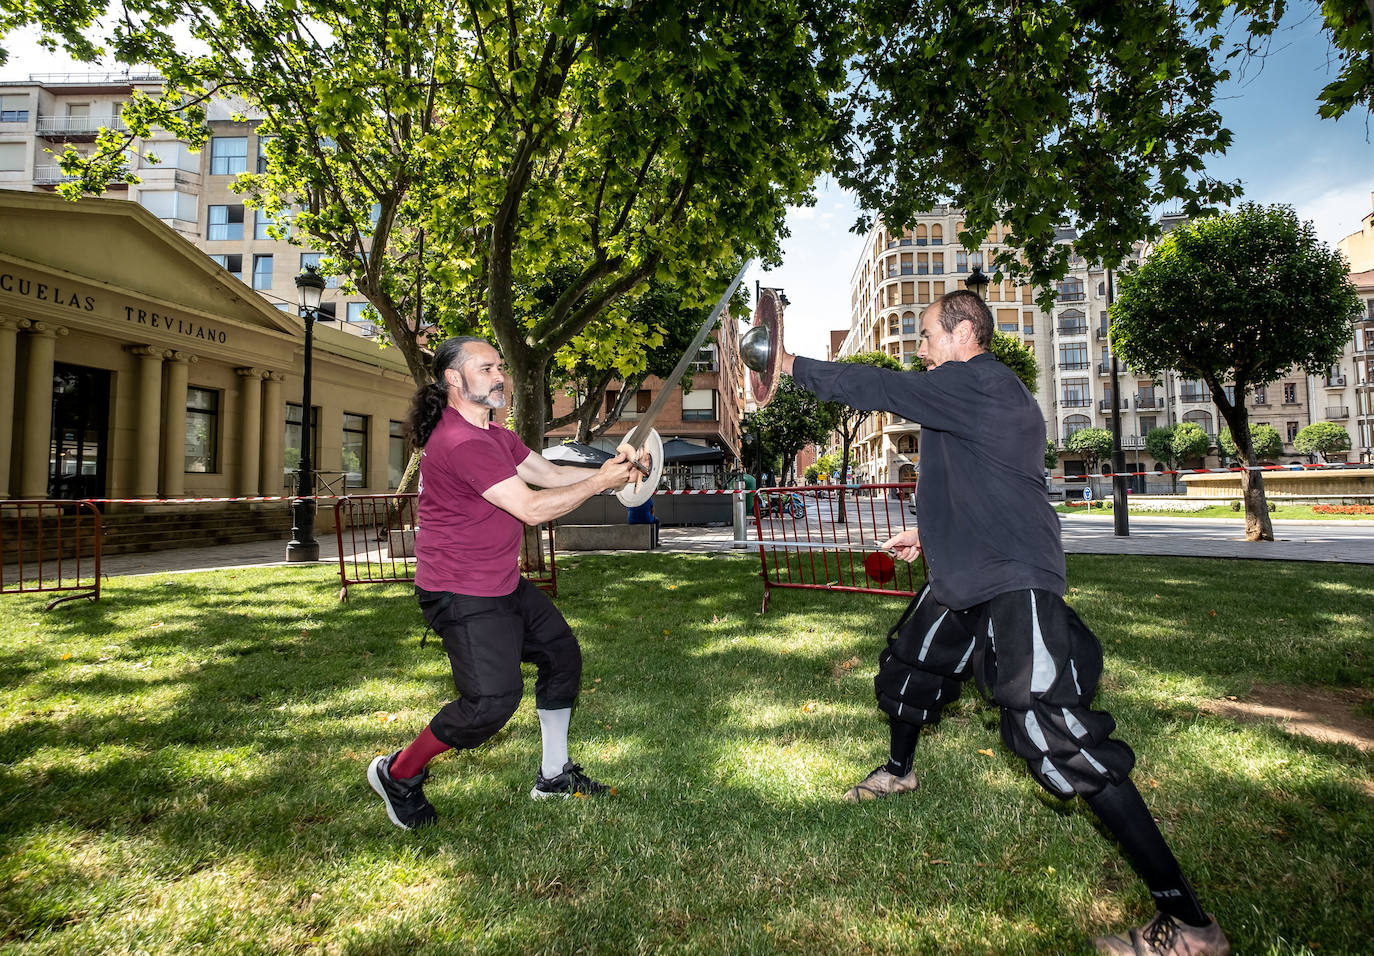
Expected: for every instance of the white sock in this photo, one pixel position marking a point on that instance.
(554, 725)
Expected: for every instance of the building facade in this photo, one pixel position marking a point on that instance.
(132, 367)
(191, 192)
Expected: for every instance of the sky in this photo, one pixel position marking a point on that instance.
(1282, 152)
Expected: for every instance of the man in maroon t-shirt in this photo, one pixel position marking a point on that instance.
(475, 500)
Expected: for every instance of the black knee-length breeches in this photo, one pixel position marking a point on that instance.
(487, 638)
(1030, 655)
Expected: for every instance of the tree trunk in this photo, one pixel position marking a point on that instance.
(1257, 524)
(526, 385)
(844, 475)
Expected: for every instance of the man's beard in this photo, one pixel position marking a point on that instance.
(494, 398)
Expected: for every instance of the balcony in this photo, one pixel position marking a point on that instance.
(1071, 297)
(1100, 335)
(1070, 365)
(1149, 402)
(1194, 397)
(77, 127)
(52, 175)
(1073, 330)
(1104, 368)
(1336, 381)
(1075, 402)
(1338, 411)
(1106, 405)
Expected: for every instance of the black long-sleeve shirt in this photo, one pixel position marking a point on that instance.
(986, 523)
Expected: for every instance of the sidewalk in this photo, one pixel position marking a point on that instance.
(1082, 534)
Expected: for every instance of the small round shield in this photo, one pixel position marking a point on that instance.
(633, 495)
(767, 317)
(880, 567)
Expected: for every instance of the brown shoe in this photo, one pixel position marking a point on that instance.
(1166, 936)
(881, 783)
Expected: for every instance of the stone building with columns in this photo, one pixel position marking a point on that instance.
(132, 367)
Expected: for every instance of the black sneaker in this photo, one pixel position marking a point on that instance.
(405, 799)
(572, 782)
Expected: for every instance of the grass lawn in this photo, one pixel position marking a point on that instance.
(1289, 512)
(182, 770)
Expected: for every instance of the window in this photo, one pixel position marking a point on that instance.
(1073, 322)
(291, 458)
(1075, 393)
(1076, 423)
(1260, 397)
(1147, 424)
(976, 260)
(354, 462)
(228, 155)
(1070, 290)
(262, 272)
(1230, 391)
(202, 430)
(706, 359)
(361, 313)
(262, 153)
(171, 154)
(14, 109)
(233, 264)
(1073, 356)
(262, 221)
(313, 259)
(698, 405)
(1292, 432)
(1194, 391)
(908, 323)
(169, 204)
(1201, 419)
(961, 261)
(1290, 393)
(12, 156)
(226, 223)
(398, 454)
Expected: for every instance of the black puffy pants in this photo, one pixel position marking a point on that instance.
(1029, 654)
(487, 639)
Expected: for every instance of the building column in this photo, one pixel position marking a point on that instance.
(36, 450)
(9, 350)
(174, 425)
(149, 419)
(273, 434)
(250, 435)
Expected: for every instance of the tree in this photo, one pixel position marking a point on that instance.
(1190, 442)
(1322, 438)
(477, 153)
(1051, 454)
(1159, 445)
(792, 420)
(1239, 298)
(1094, 444)
(1264, 442)
(1021, 360)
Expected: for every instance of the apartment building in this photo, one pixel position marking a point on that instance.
(899, 275)
(191, 192)
(1351, 384)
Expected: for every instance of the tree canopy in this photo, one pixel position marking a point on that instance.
(1237, 299)
(1322, 438)
(1264, 442)
(1094, 444)
(793, 419)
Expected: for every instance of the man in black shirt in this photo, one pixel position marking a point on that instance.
(993, 608)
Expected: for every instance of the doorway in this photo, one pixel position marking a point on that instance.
(80, 431)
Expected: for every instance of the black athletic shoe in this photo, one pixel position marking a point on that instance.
(405, 799)
(572, 782)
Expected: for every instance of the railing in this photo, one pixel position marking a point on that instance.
(50, 546)
(1106, 405)
(1081, 402)
(803, 543)
(1149, 402)
(1194, 397)
(376, 540)
(1073, 330)
(1074, 364)
(77, 125)
(1070, 296)
(1100, 334)
(1104, 368)
(1338, 411)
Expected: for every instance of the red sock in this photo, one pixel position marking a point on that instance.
(421, 751)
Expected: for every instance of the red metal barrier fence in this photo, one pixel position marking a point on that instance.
(829, 537)
(377, 543)
(50, 546)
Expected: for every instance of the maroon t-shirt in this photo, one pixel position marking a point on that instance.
(464, 543)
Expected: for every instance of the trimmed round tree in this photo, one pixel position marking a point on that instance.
(1322, 438)
(1237, 299)
(1264, 442)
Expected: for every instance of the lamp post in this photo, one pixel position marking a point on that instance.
(303, 546)
(1121, 515)
(977, 283)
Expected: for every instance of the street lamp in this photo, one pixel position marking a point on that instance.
(977, 283)
(303, 546)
